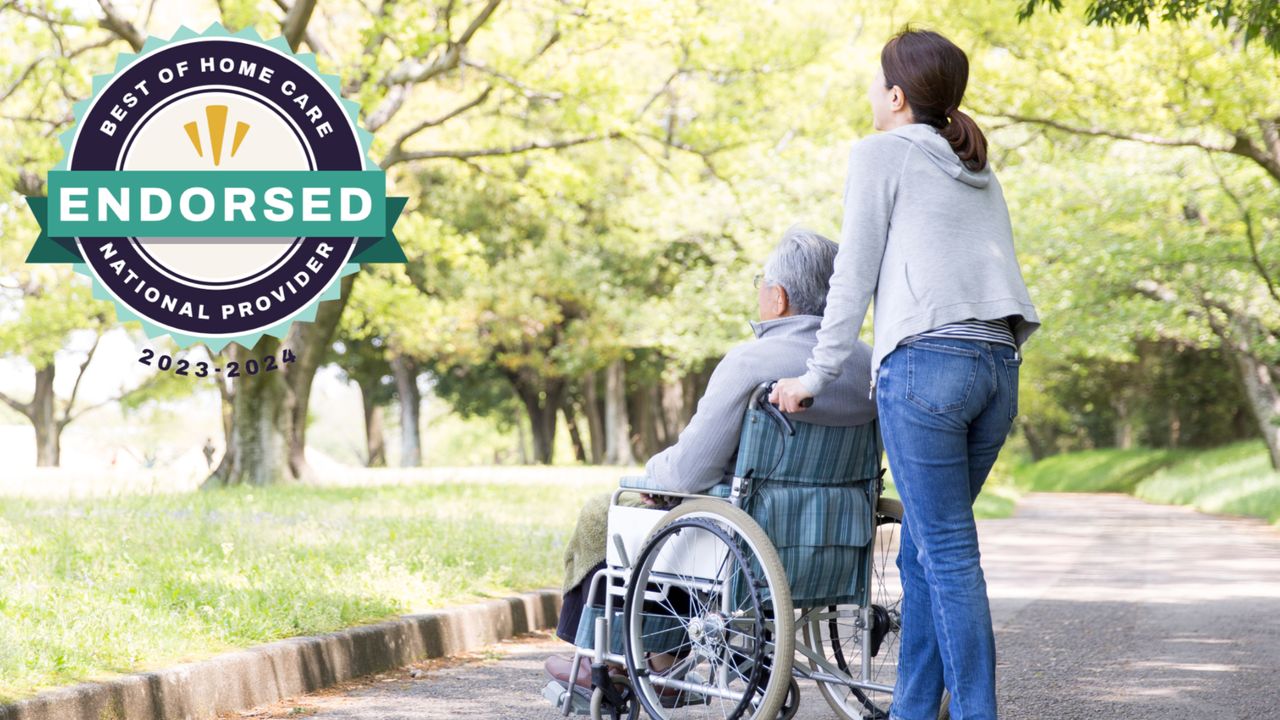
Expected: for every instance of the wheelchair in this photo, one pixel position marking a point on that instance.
(718, 605)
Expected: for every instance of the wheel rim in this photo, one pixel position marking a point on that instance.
(839, 638)
(717, 632)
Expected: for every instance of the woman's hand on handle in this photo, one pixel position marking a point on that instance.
(790, 395)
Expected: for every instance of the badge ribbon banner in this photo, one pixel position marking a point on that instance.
(216, 187)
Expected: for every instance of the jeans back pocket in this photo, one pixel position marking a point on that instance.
(940, 376)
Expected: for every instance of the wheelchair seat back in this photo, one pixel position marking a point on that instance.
(813, 493)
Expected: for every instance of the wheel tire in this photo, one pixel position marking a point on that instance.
(791, 705)
(848, 703)
(889, 509)
(696, 513)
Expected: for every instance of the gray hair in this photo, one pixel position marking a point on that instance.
(802, 264)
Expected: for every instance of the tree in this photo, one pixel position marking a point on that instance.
(1253, 17)
(48, 314)
(1120, 150)
(389, 61)
(546, 270)
(366, 365)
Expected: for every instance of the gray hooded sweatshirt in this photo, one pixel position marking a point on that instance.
(928, 238)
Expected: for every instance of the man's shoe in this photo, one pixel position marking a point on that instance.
(559, 667)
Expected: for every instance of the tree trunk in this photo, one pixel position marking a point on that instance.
(523, 446)
(1264, 400)
(1039, 447)
(406, 373)
(673, 411)
(374, 438)
(48, 429)
(570, 419)
(593, 408)
(262, 416)
(268, 438)
(617, 429)
(542, 406)
(644, 407)
(1124, 423)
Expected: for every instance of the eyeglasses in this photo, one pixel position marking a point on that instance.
(759, 280)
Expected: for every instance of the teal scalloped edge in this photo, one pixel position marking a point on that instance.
(332, 290)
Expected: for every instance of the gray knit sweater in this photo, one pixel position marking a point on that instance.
(703, 455)
(928, 238)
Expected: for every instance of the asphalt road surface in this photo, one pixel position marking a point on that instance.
(1105, 607)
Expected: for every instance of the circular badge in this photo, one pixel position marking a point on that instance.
(218, 188)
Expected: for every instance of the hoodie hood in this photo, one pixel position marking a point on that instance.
(935, 147)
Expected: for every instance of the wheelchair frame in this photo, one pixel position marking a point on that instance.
(615, 581)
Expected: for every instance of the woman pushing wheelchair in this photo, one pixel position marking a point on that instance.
(926, 233)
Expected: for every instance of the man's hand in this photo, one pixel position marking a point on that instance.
(788, 393)
(654, 500)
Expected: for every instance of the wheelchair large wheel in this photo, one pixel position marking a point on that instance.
(847, 636)
(709, 598)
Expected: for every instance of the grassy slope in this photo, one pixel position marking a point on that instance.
(1234, 479)
(121, 584)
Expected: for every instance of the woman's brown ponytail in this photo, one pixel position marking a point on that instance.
(966, 139)
(933, 73)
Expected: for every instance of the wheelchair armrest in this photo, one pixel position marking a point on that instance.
(639, 482)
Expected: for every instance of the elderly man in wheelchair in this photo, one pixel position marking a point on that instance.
(682, 588)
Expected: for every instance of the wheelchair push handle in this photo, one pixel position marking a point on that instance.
(761, 400)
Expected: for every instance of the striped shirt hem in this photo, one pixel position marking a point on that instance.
(992, 331)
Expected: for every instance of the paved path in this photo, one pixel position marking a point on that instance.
(1105, 607)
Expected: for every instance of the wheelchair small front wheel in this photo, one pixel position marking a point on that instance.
(709, 625)
(622, 705)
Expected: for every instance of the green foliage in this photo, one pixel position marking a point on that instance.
(1255, 17)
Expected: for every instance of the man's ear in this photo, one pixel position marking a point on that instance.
(782, 303)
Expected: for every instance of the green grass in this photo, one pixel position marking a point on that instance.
(1106, 470)
(122, 583)
(1235, 479)
(115, 585)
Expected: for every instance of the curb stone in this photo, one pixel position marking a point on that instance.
(295, 666)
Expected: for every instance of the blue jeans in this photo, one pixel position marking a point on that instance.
(946, 407)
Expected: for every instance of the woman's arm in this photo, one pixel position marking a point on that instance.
(875, 166)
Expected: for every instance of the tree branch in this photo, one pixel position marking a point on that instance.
(118, 24)
(307, 36)
(24, 408)
(396, 152)
(491, 152)
(412, 71)
(372, 47)
(1250, 235)
(525, 90)
(67, 414)
(295, 22)
(1241, 146)
(22, 76)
